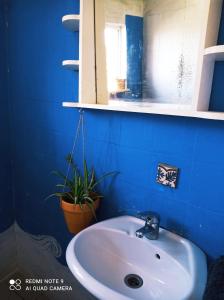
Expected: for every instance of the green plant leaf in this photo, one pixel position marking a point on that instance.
(80, 205)
(92, 179)
(53, 195)
(60, 185)
(86, 174)
(69, 159)
(89, 199)
(67, 182)
(102, 178)
(80, 185)
(92, 209)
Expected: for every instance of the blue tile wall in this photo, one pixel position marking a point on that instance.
(133, 144)
(6, 203)
(42, 131)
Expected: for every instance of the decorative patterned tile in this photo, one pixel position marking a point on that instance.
(167, 175)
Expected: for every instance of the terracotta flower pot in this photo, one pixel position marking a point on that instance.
(78, 218)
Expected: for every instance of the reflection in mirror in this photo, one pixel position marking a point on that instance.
(150, 50)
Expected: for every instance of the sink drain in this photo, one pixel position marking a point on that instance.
(133, 281)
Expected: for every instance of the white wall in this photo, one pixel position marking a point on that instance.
(171, 47)
(116, 10)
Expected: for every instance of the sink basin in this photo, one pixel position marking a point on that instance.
(113, 264)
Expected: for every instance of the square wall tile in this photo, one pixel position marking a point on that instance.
(167, 175)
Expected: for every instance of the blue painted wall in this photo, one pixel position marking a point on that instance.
(42, 131)
(133, 144)
(6, 203)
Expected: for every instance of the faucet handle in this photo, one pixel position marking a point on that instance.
(150, 217)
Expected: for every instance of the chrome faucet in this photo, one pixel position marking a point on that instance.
(151, 228)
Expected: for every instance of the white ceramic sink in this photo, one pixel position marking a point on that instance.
(101, 256)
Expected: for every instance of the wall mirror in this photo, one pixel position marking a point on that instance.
(147, 51)
(150, 56)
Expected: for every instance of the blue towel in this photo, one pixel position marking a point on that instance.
(215, 284)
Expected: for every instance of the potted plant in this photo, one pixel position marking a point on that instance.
(79, 199)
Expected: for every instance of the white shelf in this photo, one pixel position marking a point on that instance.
(215, 52)
(150, 110)
(71, 64)
(71, 22)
